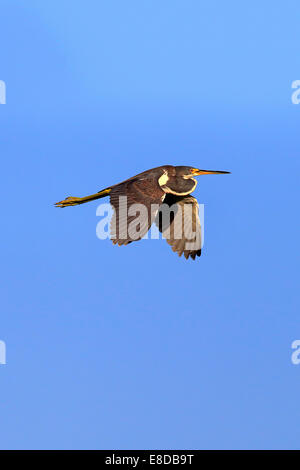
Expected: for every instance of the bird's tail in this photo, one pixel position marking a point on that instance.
(74, 201)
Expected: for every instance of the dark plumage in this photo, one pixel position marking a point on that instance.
(163, 196)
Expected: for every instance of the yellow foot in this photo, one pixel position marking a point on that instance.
(69, 201)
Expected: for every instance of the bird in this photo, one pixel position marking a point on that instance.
(163, 196)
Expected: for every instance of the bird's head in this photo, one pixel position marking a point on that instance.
(190, 172)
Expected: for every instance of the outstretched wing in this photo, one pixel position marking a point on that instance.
(135, 203)
(178, 221)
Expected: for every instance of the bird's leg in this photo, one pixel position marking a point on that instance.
(74, 201)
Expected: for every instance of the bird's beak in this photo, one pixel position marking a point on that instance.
(196, 172)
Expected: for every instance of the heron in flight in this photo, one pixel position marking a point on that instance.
(158, 189)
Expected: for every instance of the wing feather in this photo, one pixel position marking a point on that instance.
(181, 227)
(147, 193)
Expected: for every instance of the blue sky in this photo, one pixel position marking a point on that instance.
(124, 348)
